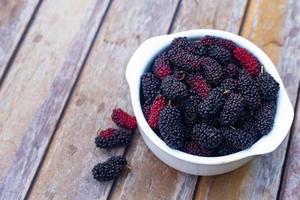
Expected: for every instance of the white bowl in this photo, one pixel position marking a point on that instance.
(199, 165)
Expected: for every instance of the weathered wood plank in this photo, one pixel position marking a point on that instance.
(14, 18)
(37, 87)
(269, 27)
(101, 87)
(291, 178)
(152, 179)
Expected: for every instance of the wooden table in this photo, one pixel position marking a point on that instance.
(62, 65)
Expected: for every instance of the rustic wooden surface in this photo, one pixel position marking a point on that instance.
(62, 67)
(14, 22)
(38, 85)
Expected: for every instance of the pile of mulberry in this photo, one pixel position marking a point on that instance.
(112, 138)
(208, 96)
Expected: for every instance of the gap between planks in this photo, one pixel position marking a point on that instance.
(10, 60)
(89, 27)
(282, 185)
(69, 97)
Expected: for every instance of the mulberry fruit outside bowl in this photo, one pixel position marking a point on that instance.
(199, 165)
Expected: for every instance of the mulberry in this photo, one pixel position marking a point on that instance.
(171, 127)
(236, 139)
(228, 85)
(224, 150)
(268, 87)
(173, 89)
(219, 53)
(212, 104)
(123, 119)
(206, 136)
(162, 67)
(150, 86)
(212, 70)
(249, 127)
(146, 110)
(232, 109)
(110, 169)
(184, 60)
(201, 50)
(157, 106)
(249, 62)
(110, 138)
(185, 44)
(249, 90)
(264, 117)
(190, 111)
(199, 85)
(231, 71)
(211, 40)
(195, 149)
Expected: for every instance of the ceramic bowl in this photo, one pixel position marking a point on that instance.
(198, 165)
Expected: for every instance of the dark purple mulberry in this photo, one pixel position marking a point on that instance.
(212, 70)
(233, 108)
(171, 128)
(219, 53)
(231, 71)
(173, 89)
(201, 50)
(224, 150)
(229, 85)
(212, 104)
(110, 169)
(268, 86)
(264, 118)
(185, 44)
(184, 60)
(150, 86)
(249, 90)
(236, 138)
(211, 40)
(206, 136)
(189, 110)
(195, 149)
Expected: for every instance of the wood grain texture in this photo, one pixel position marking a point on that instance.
(291, 178)
(101, 87)
(15, 16)
(151, 178)
(269, 26)
(38, 85)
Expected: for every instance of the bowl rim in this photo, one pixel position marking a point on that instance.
(151, 47)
